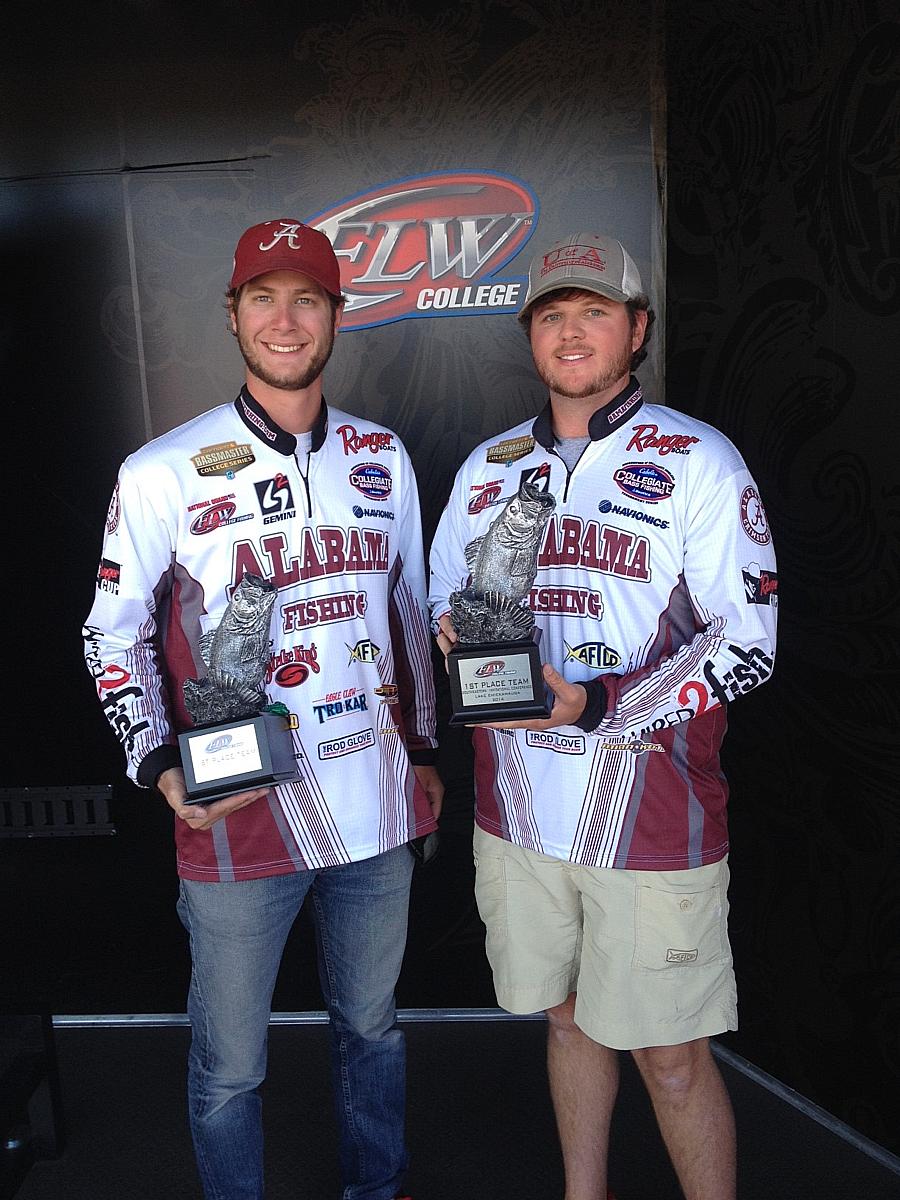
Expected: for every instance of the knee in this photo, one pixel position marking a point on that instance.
(373, 1022)
(230, 1069)
(561, 1018)
(673, 1070)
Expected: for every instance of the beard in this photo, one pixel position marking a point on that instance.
(608, 374)
(290, 378)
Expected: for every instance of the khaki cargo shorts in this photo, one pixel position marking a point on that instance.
(646, 951)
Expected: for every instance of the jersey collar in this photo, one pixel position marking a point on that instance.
(258, 421)
(603, 422)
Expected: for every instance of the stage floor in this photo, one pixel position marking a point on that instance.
(480, 1122)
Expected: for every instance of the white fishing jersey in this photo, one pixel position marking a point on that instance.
(337, 530)
(657, 575)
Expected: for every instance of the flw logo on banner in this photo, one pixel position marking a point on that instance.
(432, 246)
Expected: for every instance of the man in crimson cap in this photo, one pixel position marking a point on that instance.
(601, 836)
(293, 255)
(323, 505)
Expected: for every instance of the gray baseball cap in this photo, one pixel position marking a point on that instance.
(591, 261)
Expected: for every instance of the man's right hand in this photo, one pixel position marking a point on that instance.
(199, 816)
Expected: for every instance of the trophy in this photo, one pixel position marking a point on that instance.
(239, 742)
(495, 667)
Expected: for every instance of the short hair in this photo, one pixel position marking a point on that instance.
(633, 307)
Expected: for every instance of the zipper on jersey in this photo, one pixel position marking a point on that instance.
(569, 473)
(304, 475)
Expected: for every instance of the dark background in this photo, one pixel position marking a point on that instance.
(746, 153)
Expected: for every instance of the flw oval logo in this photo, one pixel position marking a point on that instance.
(431, 246)
(214, 517)
(490, 668)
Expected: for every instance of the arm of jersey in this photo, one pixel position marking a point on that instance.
(120, 643)
(410, 638)
(448, 568)
(727, 588)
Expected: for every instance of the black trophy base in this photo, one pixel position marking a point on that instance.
(237, 756)
(496, 682)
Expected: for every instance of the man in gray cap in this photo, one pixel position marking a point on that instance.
(601, 839)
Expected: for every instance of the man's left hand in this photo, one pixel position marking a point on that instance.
(434, 789)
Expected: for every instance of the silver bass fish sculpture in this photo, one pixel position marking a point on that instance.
(236, 653)
(503, 564)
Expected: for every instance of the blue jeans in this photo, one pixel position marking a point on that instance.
(237, 935)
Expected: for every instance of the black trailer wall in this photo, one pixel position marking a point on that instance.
(744, 152)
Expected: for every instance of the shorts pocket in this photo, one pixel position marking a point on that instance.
(677, 930)
(491, 894)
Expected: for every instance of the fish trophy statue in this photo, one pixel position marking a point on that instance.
(495, 667)
(239, 741)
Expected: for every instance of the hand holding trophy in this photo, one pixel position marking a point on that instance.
(238, 742)
(495, 667)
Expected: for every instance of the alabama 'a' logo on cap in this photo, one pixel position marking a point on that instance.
(284, 233)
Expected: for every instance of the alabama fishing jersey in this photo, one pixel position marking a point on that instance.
(337, 530)
(656, 574)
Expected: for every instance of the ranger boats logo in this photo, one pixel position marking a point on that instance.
(431, 246)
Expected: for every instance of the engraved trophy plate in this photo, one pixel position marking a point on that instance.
(496, 681)
(495, 667)
(236, 756)
(236, 744)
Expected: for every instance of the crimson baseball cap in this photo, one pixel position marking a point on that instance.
(593, 262)
(286, 245)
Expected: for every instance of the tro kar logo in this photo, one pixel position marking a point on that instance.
(430, 246)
